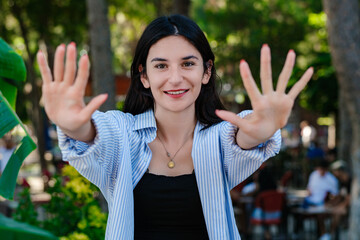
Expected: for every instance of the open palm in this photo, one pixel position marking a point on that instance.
(63, 92)
(271, 108)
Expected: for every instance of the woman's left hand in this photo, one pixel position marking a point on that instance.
(271, 108)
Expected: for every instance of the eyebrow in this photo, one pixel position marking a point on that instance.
(164, 60)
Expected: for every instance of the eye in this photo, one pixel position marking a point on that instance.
(160, 66)
(188, 64)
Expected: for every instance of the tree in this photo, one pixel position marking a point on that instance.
(102, 76)
(23, 27)
(344, 38)
(181, 7)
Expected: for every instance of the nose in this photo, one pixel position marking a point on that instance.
(175, 76)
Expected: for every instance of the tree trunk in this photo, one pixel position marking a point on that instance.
(344, 130)
(181, 7)
(344, 37)
(36, 113)
(100, 52)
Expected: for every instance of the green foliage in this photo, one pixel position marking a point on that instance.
(127, 22)
(26, 212)
(73, 208)
(73, 211)
(321, 95)
(12, 72)
(32, 24)
(76, 236)
(237, 29)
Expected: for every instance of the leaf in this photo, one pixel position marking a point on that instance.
(8, 120)
(12, 72)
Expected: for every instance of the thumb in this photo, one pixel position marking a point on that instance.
(230, 117)
(94, 104)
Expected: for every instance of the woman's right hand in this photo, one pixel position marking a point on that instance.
(63, 93)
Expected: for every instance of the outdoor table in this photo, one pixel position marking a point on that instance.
(295, 197)
(312, 212)
(14, 230)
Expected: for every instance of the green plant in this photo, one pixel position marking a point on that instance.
(74, 209)
(25, 211)
(73, 212)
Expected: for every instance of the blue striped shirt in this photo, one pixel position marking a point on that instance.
(120, 155)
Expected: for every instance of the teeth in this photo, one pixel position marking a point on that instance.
(176, 92)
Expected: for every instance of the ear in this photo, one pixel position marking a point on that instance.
(207, 73)
(143, 77)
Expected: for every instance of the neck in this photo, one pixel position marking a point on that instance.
(175, 127)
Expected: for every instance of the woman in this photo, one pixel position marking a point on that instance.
(166, 164)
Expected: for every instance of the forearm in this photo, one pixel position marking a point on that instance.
(96, 159)
(246, 142)
(85, 133)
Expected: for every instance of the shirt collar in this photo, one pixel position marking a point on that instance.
(145, 120)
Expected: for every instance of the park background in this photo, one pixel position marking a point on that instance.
(324, 34)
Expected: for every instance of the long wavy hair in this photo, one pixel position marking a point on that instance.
(139, 99)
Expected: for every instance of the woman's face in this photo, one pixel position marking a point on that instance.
(174, 73)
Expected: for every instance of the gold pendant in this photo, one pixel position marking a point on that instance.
(171, 164)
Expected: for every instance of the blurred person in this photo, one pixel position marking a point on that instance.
(315, 152)
(331, 155)
(266, 180)
(268, 204)
(341, 203)
(308, 133)
(322, 186)
(6, 150)
(285, 180)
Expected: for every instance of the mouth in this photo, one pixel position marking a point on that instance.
(176, 92)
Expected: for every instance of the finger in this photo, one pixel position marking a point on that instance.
(286, 72)
(59, 63)
(230, 117)
(70, 65)
(296, 89)
(83, 73)
(44, 68)
(265, 70)
(93, 105)
(248, 80)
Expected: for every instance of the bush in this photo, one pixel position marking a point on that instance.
(26, 211)
(73, 212)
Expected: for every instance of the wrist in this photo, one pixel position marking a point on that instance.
(86, 133)
(246, 142)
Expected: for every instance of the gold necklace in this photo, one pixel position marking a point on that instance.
(171, 163)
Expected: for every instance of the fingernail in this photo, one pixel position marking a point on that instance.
(291, 50)
(61, 46)
(73, 44)
(242, 61)
(265, 45)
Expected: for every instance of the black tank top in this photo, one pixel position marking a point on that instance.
(168, 208)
